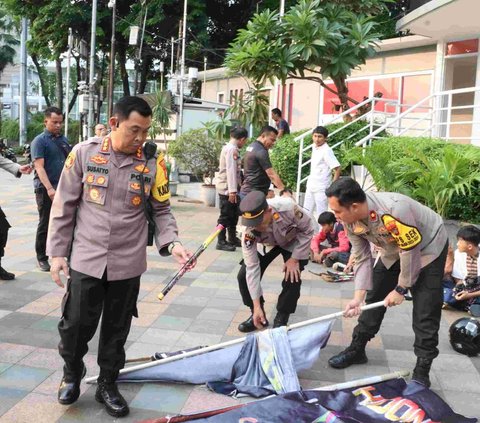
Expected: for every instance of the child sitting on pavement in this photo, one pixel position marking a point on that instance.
(336, 236)
(463, 293)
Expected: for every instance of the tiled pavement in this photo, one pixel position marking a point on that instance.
(204, 308)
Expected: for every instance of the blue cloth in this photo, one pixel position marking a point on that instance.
(264, 366)
(53, 150)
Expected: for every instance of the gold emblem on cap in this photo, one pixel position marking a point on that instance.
(248, 215)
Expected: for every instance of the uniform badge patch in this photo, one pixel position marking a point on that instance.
(90, 179)
(248, 239)
(100, 180)
(298, 213)
(161, 189)
(137, 200)
(99, 159)
(135, 186)
(276, 216)
(359, 229)
(140, 168)
(373, 216)
(70, 161)
(94, 194)
(406, 236)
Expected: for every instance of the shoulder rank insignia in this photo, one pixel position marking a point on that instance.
(406, 236)
(359, 229)
(138, 154)
(248, 239)
(276, 216)
(105, 145)
(70, 161)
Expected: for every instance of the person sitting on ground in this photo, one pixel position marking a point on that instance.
(464, 292)
(334, 233)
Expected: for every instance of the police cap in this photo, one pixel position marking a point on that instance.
(252, 208)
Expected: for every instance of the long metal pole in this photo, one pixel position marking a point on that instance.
(111, 76)
(140, 51)
(172, 53)
(233, 342)
(91, 81)
(182, 70)
(23, 83)
(276, 82)
(67, 88)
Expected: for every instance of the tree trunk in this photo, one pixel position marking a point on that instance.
(122, 59)
(342, 92)
(41, 76)
(75, 91)
(146, 63)
(59, 83)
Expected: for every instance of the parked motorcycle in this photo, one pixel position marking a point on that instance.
(7, 152)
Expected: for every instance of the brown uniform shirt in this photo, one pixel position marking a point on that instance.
(98, 211)
(402, 229)
(290, 229)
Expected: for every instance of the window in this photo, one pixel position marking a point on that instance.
(462, 47)
(220, 97)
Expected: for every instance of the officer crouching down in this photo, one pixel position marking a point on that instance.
(98, 215)
(288, 229)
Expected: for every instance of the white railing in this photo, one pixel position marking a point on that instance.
(370, 117)
(452, 115)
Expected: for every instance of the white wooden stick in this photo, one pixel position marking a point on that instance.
(230, 343)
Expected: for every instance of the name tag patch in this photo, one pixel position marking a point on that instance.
(406, 236)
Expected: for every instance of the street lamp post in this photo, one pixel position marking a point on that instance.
(91, 82)
(182, 69)
(67, 88)
(111, 77)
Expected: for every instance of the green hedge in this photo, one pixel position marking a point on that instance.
(11, 130)
(441, 175)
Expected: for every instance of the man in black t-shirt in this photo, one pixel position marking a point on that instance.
(258, 170)
(280, 123)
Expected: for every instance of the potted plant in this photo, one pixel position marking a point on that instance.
(198, 152)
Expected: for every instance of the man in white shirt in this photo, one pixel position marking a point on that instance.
(321, 166)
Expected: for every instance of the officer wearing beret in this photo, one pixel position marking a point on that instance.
(412, 244)
(98, 220)
(282, 224)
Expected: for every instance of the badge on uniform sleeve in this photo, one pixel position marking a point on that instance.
(160, 189)
(373, 216)
(248, 239)
(406, 236)
(70, 160)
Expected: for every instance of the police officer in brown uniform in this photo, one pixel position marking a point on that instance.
(412, 244)
(285, 226)
(98, 216)
(228, 185)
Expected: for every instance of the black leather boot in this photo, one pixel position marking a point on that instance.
(354, 354)
(6, 276)
(232, 237)
(422, 370)
(281, 319)
(222, 243)
(248, 326)
(69, 389)
(107, 394)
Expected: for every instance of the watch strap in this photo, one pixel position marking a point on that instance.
(401, 290)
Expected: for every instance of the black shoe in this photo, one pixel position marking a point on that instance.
(6, 276)
(422, 371)
(225, 246)
(44, 265)
(248, 326)
(281, 319)
(107, 394)
(69, 391)
(349, 356)
(232, 237)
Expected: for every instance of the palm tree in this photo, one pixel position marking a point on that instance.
(7, 40)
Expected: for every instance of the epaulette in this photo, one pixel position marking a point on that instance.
(298, 212)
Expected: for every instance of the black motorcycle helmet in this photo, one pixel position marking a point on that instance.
(465, 336)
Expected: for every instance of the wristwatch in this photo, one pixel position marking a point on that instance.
(401, 290)
(171, 246)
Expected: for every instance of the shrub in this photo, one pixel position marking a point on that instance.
(10, 130)
(197, 152)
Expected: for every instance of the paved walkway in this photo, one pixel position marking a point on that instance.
(204, 308)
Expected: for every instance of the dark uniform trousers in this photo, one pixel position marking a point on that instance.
(44, 205)
(85, 299)
(427, 298)
(228, 212)
(4, 227)
(288, 298)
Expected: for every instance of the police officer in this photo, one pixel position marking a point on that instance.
(412, 244)
(228, 185)
(16, 170)
(98, 212)
(285, 226)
